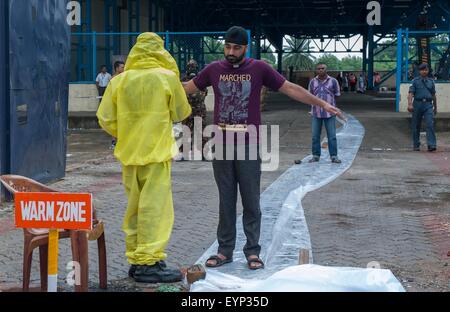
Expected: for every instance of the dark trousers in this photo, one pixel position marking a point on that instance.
(423, 111)
(229, 174)
(101, 91)
(330, 126)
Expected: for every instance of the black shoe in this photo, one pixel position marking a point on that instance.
(335, 160)
(431, 149)
(297, 161)
(132, 270)
(162, 264)
(157, 273)
(133, 267)
(314, 159)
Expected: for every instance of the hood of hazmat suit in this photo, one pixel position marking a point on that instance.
(140, 105)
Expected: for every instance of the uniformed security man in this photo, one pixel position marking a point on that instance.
(197, 102)
(422, 104)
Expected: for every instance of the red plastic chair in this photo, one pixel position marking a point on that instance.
(34, 238)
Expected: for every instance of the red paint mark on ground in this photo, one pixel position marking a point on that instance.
(438, 225)
(438, 228)
(441, 160)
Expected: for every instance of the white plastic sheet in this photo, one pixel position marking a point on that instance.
(283, 228)
(307, 278)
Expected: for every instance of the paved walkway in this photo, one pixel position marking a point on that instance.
(392, 206)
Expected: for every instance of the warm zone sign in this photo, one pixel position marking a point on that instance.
(53, 211)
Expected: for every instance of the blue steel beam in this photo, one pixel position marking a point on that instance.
(133, 18)
(94, 55)
(89, 47)
(108, 28)
(406, 53)
(84, 45)
(399, 67)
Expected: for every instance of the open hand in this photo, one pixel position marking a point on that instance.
(335, 111)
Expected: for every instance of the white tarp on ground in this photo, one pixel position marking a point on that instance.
(284, 232)
(308, 278)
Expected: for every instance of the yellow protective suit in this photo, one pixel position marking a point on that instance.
(138, 108)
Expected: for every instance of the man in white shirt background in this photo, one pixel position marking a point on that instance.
(102, 81)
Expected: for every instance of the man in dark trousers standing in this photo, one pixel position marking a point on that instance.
(422, 103)
(237, 83)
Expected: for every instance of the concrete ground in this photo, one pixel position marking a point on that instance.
(390, 209)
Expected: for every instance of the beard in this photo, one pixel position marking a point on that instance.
(234, 59)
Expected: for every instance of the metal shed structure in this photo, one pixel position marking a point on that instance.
(325, 21)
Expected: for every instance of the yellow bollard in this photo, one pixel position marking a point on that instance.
(53, 260)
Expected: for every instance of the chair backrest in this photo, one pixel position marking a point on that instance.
(16, 183)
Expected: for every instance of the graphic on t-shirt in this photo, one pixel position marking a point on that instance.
(234, 101)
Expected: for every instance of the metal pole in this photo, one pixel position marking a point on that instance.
(258, 44)
(94, 55)
(399, 68)
(115, 21)
(249, 50)
(371, 57)
(88, 22)
(406, 53)
(107, 28)
(167, 41)
(280, 61)
(364, 60)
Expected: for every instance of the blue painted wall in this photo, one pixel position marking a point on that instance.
(39, 64)
(4, 88)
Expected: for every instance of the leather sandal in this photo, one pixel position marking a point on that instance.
(219, 261)
(255, 260)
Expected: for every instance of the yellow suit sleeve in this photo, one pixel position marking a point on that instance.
(178, 105)
(107, 112)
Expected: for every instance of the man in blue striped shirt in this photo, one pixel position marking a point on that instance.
(326, 88)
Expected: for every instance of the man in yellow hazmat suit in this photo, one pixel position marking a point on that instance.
(138, 108)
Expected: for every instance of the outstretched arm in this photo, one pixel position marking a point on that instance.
(190, 87)
(300, 94)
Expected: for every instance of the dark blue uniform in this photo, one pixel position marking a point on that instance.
(423, 90)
